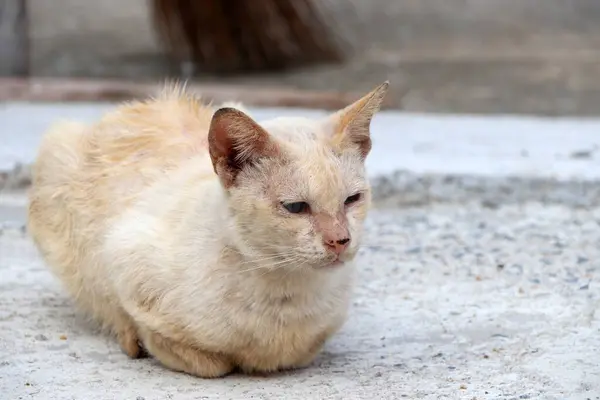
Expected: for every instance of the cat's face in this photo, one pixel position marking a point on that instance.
(298, 188)
(306, 206)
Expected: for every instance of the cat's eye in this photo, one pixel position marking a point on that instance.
(297, 207)
(352, 199)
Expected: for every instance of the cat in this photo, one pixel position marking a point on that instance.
(200, 237)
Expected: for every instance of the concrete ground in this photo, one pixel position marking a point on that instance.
(478, 278)
(467, 56)
(453, 302)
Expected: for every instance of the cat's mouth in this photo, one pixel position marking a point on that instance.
(335, 263)
(341, 259)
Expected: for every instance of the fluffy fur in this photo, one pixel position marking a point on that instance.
(166, 221)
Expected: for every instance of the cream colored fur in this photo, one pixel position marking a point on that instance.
(205, 271)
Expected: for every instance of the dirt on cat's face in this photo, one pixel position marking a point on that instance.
(307, 206)
(298, 188)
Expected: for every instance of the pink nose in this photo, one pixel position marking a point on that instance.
(337, 245)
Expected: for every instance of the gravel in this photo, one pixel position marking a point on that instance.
(404, 188)
(452, 302)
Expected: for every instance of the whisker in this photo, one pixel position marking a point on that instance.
(270, 265)
(258, 260)
(294, 268)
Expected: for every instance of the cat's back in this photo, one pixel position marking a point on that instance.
(85, 175)
(140, 142)
(128, 150)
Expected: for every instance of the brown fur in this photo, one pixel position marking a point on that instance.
(164, 220)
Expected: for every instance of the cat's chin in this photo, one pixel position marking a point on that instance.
(335, 264)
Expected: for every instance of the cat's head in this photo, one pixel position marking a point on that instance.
(297, 189)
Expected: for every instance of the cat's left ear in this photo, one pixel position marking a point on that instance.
(351, 125)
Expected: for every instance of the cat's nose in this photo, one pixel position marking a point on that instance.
(337, 245)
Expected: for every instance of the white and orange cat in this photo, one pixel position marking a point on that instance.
(206, 239)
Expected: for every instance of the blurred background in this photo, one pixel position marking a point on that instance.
(462, 56)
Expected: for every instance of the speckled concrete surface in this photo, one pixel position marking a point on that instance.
(452, 302)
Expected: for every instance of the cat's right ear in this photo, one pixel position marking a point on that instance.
(234, 140)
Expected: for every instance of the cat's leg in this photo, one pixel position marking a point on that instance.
(127, 336)
(300, 360)
(128, 341)
(309, 356)
(183, 358)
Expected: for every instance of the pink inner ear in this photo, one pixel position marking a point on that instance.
(234, 139)
(220, 142)
(364, 145)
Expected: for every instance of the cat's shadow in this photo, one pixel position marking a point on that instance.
(325, 361)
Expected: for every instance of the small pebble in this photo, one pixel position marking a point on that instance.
(582, 154)
(491, 204)
(581, 259)
(413, 250)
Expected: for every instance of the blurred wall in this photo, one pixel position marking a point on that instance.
(110, 38)
(520, 56)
